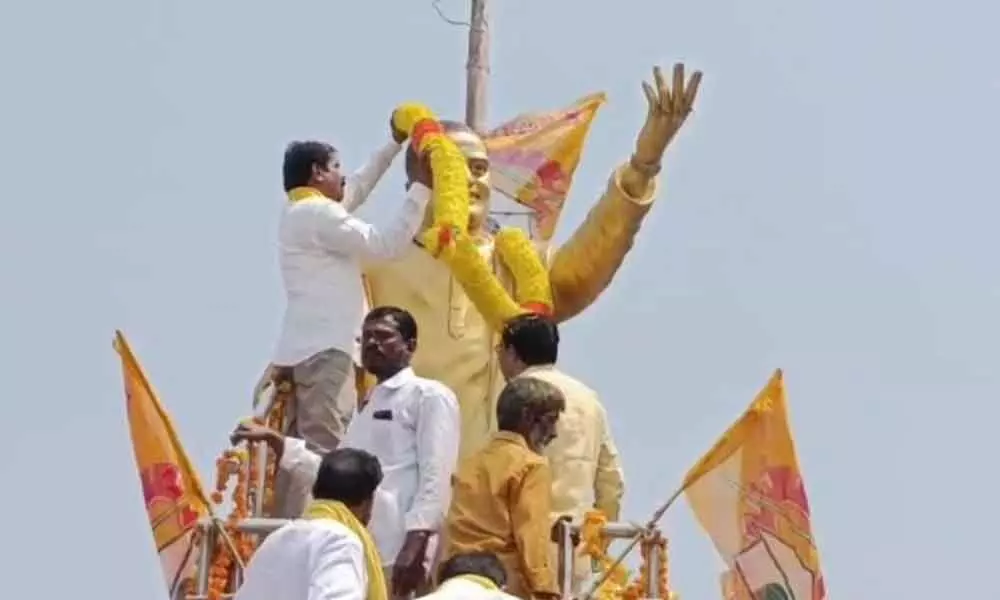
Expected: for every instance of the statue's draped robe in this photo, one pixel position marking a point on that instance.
(457, 347)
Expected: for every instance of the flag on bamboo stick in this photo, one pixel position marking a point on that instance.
(748, 495)
(533, 158)
(173, 494)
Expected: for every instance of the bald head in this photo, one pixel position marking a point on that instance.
(450, 126)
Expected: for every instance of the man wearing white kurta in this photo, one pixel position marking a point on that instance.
(328, 554)
(322, 247)
(412, 425)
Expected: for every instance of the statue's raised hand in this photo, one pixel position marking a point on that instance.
(669, 106)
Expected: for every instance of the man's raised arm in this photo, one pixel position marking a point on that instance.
(343, 233)
(360, 183)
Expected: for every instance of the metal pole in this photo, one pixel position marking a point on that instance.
(653, 568)
(478, 67)
(205, 559)
(257, 486)
(566, 558)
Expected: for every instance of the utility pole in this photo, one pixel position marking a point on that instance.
(478, 67)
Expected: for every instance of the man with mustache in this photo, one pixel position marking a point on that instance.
(322, 247)
(411, 425)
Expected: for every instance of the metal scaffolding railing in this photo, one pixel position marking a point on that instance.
(567, 555)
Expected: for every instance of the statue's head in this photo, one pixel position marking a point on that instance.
(477, 159)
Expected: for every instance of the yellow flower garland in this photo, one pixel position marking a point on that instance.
(447, 237)
(617, 585)
(450, 206)
(595, 546)
(481, 285)
(531, 280)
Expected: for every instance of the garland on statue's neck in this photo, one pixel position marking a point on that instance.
(447, 237)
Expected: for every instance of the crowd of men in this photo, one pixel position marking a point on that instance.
(381, 506)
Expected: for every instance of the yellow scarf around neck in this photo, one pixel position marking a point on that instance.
(304, 193)
(485, 582)
(338, 511)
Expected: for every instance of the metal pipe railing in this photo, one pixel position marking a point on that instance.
(566, 554)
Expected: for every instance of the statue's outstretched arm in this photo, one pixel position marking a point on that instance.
(583, 267)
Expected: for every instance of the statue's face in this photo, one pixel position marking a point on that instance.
(474, 149)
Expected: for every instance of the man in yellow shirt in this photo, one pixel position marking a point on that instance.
(587, 473)
(501, 494)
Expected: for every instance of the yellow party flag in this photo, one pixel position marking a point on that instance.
(533, 158)
(174, 496)
(748, 495)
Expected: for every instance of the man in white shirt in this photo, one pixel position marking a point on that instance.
(325, 556)
(412, 425)
(322, 247)
(586, 470)
(471, 576)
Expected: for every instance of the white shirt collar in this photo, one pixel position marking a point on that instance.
(399, 379)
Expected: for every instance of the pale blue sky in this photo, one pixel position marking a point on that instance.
(827, 210)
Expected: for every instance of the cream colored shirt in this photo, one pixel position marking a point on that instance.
(586, 470)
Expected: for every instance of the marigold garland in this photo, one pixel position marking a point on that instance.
(531, 280)
(448, 238)
(450, 206)
(617, 585)
(238, 463)
(481, 284)
(284, 391)
(595, 545)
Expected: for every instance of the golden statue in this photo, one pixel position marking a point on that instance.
(456, 344)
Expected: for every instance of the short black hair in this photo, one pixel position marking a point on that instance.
(524, 395)
(405, 323)
(484, 564)
(534, 339)
(348, 475)
(300, 157)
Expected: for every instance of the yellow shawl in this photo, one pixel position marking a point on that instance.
(481, 581)
(338, 511)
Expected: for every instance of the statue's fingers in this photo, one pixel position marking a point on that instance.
(692, 89)
(661, 88)
(650, 95)
(678, 79)
(677, 105)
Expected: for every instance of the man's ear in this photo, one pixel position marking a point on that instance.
(317, 172)
(411, 346)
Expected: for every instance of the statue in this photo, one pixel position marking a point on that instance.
(457, 345)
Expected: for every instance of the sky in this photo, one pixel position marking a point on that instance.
(826, 210)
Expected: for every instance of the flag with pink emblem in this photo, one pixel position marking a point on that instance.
(748, 495)
(533, 158)
(172, 492)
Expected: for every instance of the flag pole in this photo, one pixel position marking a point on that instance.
(477, 67)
